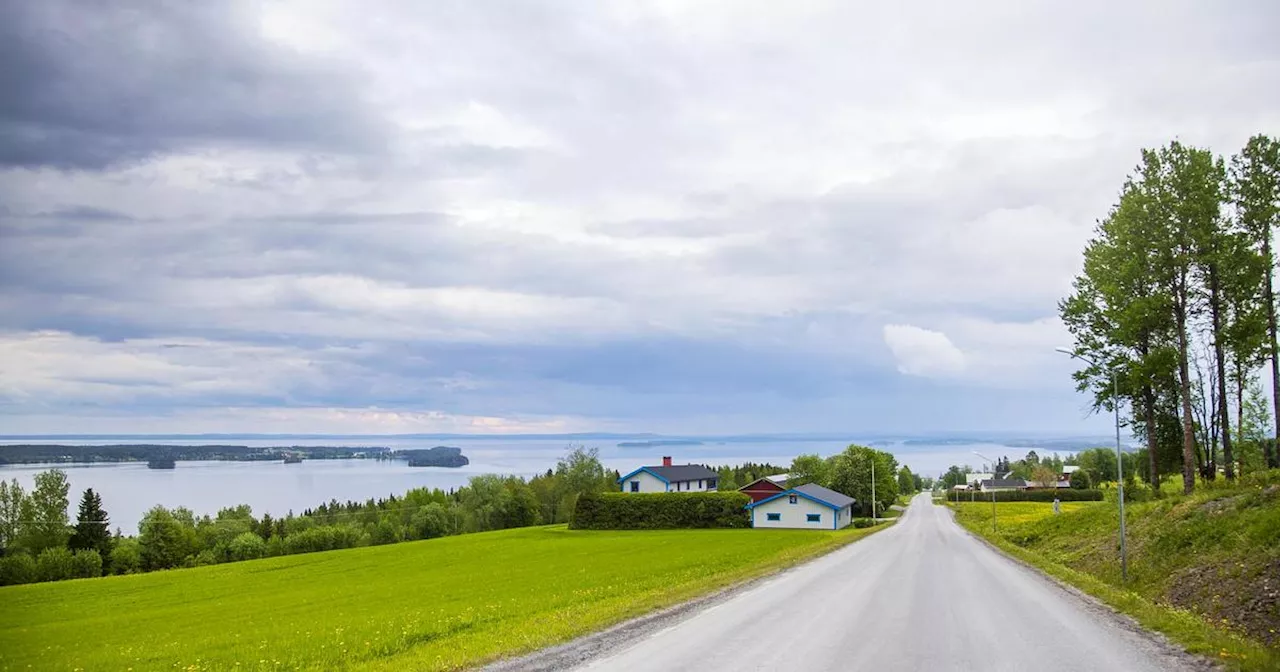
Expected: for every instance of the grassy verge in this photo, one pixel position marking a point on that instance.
(432, 605)
(1199, 565)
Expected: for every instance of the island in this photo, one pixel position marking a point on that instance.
(657, 443)
(437, 456)
(59, 453)
(161, 463)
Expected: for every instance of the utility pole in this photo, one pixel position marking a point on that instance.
(1115, 404)
(993, 491)
(873, 488)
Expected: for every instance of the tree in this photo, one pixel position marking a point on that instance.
(44, 513)
(1080, 480)
(851, 473)
(808, 468)
(11, 498)
(166, 538)
(1255, 192)
(246, 546)
(91, 529)
(954, 476)
(55, 564)
(126, 556)
(906, 481)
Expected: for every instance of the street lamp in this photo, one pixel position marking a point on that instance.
(993, 489)
(1115, 404)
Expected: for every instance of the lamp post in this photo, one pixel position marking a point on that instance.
(873, 488)
(993, 489)
(1115, 405)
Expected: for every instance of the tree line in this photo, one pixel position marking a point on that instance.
(1176, 298)
(1096, 466)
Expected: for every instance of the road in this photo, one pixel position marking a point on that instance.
(923, 595)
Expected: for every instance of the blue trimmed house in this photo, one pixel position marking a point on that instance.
(670, 478)
(804, 507)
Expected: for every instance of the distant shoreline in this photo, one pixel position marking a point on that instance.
(157, 454)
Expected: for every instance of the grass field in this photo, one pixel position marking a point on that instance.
(429, 605)
(1203, 569)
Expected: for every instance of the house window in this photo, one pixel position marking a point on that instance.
(635, 486)
(814, 518)
(699, 483)
(791, 499)
(775, 517)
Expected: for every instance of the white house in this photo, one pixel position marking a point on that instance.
(670, 478)
(806, 506)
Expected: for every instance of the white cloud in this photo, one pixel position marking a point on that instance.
(921, 352)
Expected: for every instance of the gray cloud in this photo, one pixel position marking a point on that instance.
(91, 84)
(672, 217)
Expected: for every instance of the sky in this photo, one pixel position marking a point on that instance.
(675, 217)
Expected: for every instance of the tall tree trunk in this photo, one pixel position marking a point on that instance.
(1149, 410)
(1219, 356)
(1269, 455)
(1184, 384)
(1240, 410)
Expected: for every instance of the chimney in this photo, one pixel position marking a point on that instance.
(666, 460)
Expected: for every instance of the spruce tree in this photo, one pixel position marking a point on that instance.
(91, 531)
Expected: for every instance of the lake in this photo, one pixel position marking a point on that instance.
(129, 489)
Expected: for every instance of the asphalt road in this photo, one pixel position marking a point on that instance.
(923, 595)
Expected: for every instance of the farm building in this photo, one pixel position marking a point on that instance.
(806, 506)
(762, 488)
(670, 478)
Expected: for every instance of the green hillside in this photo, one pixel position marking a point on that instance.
(439, 604)
(1210, 560)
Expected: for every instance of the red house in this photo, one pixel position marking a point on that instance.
(761, 488)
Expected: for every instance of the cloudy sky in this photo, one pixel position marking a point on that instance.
(284, 216)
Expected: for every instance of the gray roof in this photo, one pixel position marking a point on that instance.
(829, 496)
(683, 472)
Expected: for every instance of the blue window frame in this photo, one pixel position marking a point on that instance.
(774, 516)
(814, 517)
(635, 486)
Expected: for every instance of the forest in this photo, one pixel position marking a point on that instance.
(1175, 300)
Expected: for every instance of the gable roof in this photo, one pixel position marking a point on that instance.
(765, 481)
(812, 492)
(676, 473)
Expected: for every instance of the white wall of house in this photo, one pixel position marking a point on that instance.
(699, 485)
(648, 483)
(795, 516)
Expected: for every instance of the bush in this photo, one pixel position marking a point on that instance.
(246, 546)
(1080, 480)
(87, 564)
(126, 556)
(55, 564)
(17, 568)
(660, 510)
(1061, 494)
(324, 538)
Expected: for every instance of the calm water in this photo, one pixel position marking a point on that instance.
(129, 489)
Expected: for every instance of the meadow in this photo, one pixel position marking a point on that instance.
(1203, 568)
(433, 605)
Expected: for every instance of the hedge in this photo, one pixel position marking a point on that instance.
(1061, 494)
(660, 511)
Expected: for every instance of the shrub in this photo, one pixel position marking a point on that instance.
(324, 538)
(660, 510)
(1080, 480)
(55, 564)
(246, 546)
(17, 568)
(126, 556)
(87, 564)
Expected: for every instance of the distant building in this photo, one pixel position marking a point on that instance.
(807, 506)
(974, 478)
(762, 488)
(670, 478)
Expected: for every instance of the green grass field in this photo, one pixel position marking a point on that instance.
(428, 605)
(1202, 568)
